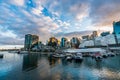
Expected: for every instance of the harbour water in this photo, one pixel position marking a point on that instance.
(39, 67)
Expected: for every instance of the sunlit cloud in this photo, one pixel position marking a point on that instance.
(51, 17)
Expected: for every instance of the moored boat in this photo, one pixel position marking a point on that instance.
(69, 57)
(104, 55)
(58, 55)
(111, 54)
(78, 57)
(98, 56)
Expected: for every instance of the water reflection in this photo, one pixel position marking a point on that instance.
(52, 61)
(40, 67)
(30, 61)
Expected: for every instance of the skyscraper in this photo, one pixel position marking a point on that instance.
(30, 40)
(75, 42)
(105, 33)
(53, 42)
(64, 42)
(95, 34)
(116, 31)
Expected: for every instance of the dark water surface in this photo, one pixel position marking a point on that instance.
(40, 67)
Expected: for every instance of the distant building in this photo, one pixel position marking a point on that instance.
(38, 46)
(68, 45)
(63, 42)
(53, 42)
(116, 31)
(86, 37)
(95, 34)
(105, 33)
(30, 40)
(75, 42)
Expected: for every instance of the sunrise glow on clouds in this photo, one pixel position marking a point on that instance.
(47, 18)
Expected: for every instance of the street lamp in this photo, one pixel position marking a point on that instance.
(116, 41)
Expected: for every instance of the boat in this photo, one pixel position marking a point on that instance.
(104, 55)
(58, 55)
(98, 56)
(117, 53)
(78, 57)
(1, 55)
(69, 57)
(111, 54)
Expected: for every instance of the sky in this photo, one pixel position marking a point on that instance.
(48, 18)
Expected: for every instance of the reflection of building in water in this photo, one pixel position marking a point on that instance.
(30, 62)
(52, 61)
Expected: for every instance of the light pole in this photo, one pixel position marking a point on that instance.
(116, 41)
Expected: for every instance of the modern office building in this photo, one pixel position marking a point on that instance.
(75, 42)
(105, 33)
(53, 42)
(30, 40)
(116, 31)
(86, 37)
(64, 42)
(95, 34)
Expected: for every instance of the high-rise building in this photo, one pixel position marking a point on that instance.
(64, 42)
(95, 34)
(105, 33)
(75, 42)
(116, 31)
(86, 37)
(30, 40)
(53, 42)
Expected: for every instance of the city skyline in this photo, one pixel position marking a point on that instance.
(48, 18)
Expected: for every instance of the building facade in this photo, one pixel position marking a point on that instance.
(75, 42)
(95, 34)
(105, 33)
(86, 37)
(53, 42)
(116, 31)
(30, 40)
(63, 42)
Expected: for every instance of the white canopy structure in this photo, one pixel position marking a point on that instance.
(85, 50)
(103, 41)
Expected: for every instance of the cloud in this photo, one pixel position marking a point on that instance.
(51, 17)
(21, 21)
(80, 10)
(103, 13)
(8, 37)
(17, 2)
(73, 34)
